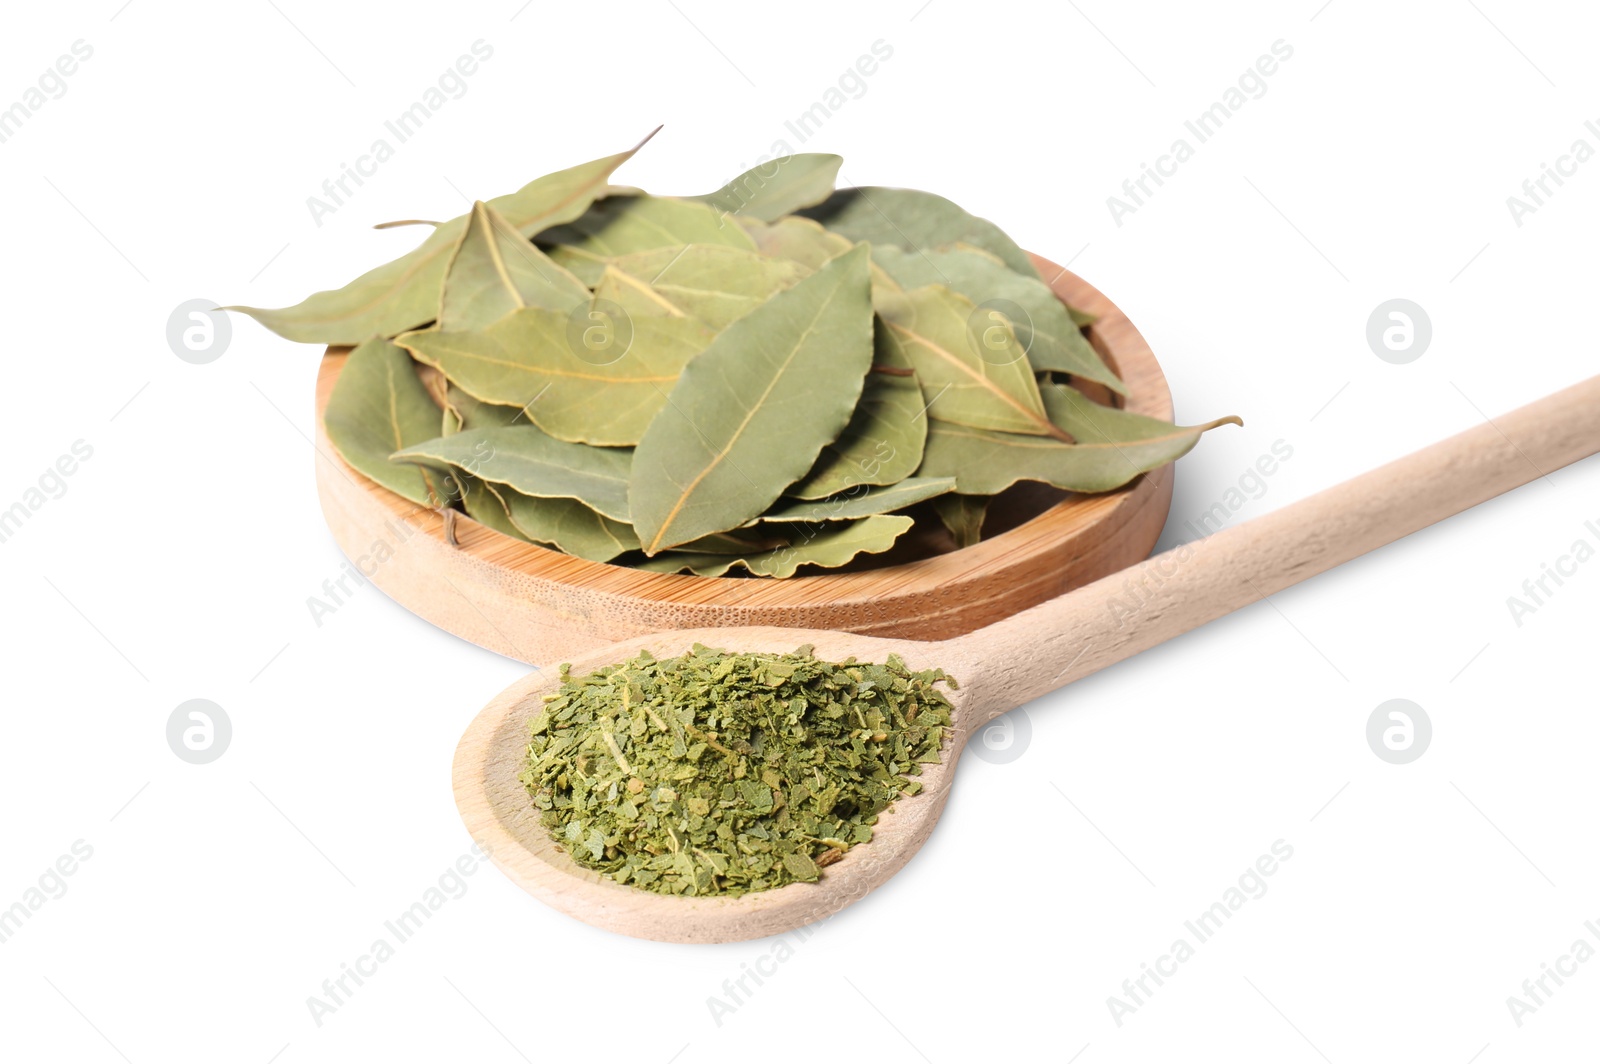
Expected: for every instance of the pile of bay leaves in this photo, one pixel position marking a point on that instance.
(771, 376)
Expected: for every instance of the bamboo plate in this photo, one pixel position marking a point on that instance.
(541, 606)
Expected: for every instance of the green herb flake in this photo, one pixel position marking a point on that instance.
(764, 770)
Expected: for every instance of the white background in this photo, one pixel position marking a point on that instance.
(178, 562)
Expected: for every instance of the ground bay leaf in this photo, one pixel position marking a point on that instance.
(496, 270)
(534, 463)
(405, 293)
(536, 359)
(379, 406)
(1039, 321)
(931, 329)
(916, 221)
(1113, 447)
(860, 502)
(718, 774)
(777, 187)
(749, 415)
(829, 545)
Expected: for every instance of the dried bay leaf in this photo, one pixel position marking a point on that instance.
(862, 502)
(763, 392)
(438, 387)
(379, 406)
(827, 545)
(883, 442)
(1079, 317)
(777, 187)
(808, 243)
(434, 383)
(473, 413)
(797, 239)
(750, 414)
(405, 293)
(1091, 423)
(534, 463)
(388, 300)
(535, 359)
(634, 296)
(1114, 447)
(750, 540)
(916, 221)
(930, 328)
(963, 515)
(496, 270)
(484, 505)
(564, 524)
(714, 283)
(1044, 327)
(623, 225)
(567, 525)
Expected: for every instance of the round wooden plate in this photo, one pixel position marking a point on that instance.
(541, 606)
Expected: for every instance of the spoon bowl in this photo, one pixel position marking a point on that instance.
(497, 811)
(1005, 665)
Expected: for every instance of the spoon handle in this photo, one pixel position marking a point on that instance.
(1083, 631)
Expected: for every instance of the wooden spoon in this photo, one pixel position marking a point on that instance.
(1008, 664)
